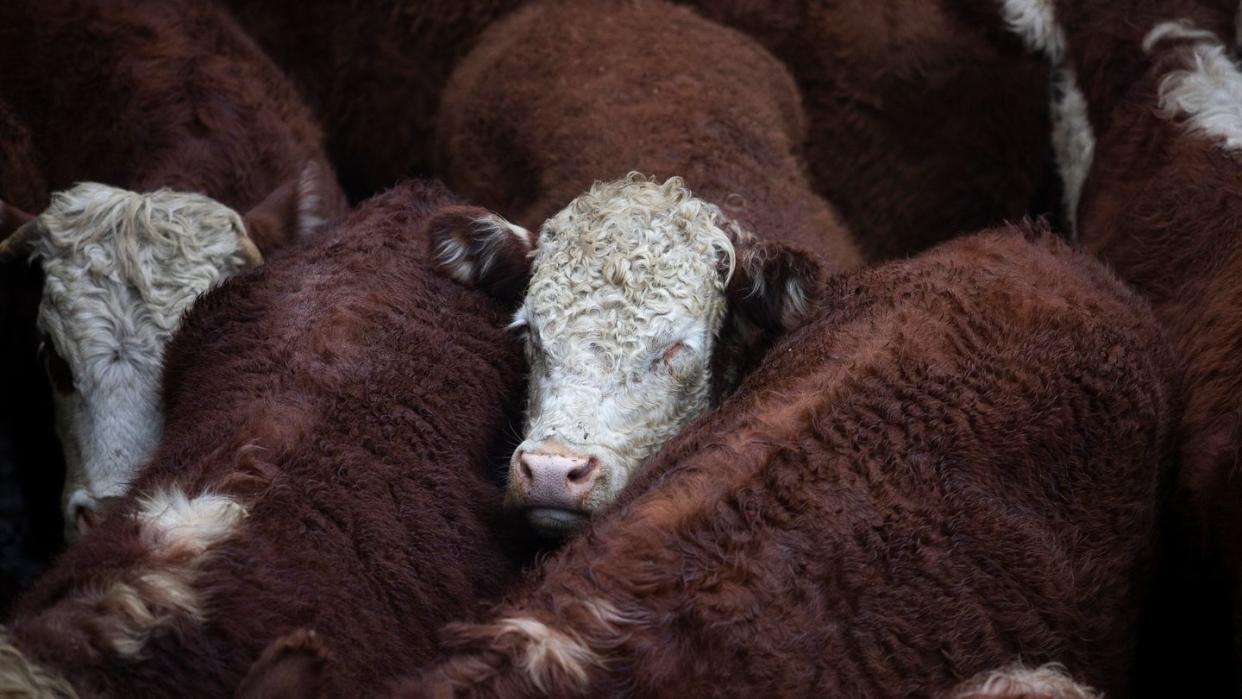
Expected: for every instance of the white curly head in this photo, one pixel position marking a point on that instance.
(121, 269)
(626, 298)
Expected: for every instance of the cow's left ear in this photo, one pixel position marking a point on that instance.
(298, 207)
(774, 286)
(481, 249)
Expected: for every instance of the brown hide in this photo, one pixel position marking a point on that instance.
(354, 401)
(1163, 207)
(954, 467)
(926, 120)
(565, 93)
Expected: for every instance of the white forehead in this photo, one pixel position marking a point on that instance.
(634, 259)
(124, 267)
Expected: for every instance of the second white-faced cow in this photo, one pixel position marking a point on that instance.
(189, 125)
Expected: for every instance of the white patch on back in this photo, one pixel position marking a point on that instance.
(177, 532)
(547, 652)
(1035, 22)
(1049, 681)
(121, 269)
(1208, 94)
(1073, 142)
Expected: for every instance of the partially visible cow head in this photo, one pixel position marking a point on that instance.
(120, 270)
(630, 291)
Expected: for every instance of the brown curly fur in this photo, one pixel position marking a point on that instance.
(1163, 208)
(355, 402)
(373, 71)
(155, 93)
(955, 466)
(656, 89)
(926, 119)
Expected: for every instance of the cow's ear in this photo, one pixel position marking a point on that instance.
(297, 208)
(18, 230)
(481, 249)
(773, 286)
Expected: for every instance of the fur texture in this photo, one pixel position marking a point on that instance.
(375, 75)
(956, 464)
(334, 419)
(1162, 206)
(925, 120)
(646, 300)
(148, 96)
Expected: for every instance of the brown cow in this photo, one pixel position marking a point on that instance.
(955, 466)
(1162, 202)
(186, 124)
(333, 421)
(645, 301)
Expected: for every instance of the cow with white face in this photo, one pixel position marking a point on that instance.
(637, 295)
(120, 271)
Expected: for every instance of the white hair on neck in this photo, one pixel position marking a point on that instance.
(1073, 141)
(1035, 22)
(1208, 93)
(121, 269)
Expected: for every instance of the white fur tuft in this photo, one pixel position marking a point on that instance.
(1073, 141)
(1208, 94)
(548, 652)
(1047, 681)
(1035, 22)
(177, 532)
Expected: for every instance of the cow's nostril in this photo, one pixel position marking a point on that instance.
(83, 518)
(524, 468)
(581, 473)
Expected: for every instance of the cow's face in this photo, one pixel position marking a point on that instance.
(120, 271)
(628, 294)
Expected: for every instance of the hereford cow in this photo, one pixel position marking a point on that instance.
(954, 466)
(188, 124)
(333, 421)
(1161, 204)
(926, 120)
(645, 301)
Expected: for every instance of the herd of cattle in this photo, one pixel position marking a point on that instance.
(747, 349)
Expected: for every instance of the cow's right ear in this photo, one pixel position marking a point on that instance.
(481, 249)
(18, 230)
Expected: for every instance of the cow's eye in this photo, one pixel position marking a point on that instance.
(57, 368)
(673, 351)
(675, 358)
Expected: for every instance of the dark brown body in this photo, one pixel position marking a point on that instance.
(373, 71)
(1163, 206)
(955, 466)
(30, 463)
(353, 400)
(926, 120)
(565, 93)
(154, 94)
